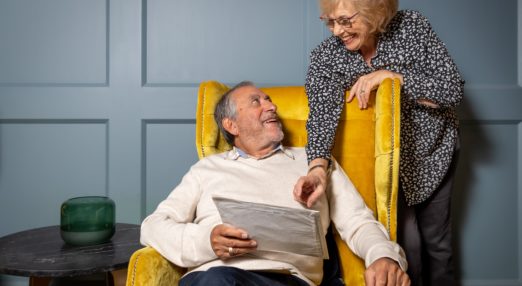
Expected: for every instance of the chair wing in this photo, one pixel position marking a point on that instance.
(367, 147)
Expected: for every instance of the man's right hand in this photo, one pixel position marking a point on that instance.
(228, 241)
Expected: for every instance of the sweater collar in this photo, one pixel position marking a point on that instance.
(237, 153)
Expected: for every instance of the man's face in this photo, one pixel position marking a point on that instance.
(256, 126)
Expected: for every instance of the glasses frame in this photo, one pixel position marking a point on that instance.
(343, 21)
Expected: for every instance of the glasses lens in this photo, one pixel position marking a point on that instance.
(345, 22)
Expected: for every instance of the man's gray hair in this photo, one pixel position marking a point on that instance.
(226, 108)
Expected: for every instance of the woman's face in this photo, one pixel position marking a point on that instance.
(355, 37)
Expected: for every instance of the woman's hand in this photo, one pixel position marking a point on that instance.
(228, 241)
(366, 83)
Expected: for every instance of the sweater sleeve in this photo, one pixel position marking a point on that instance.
(325, 100)
(171, 230)
(357, 226)
(438, 80)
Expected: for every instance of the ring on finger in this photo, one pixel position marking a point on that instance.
(231, 251)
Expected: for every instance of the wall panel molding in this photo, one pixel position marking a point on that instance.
(218, 48)
(178, 129)
(519, 42)
(49, 160)
(79, 122)
(519, 209)
(54, 43)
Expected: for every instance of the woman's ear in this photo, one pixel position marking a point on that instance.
(230, 126)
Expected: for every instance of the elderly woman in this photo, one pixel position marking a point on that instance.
(372, 41)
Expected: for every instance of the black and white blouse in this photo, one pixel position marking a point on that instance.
(428, 135)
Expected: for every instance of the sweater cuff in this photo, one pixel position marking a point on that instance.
(207, 245)
(199, 248)
(390, 250)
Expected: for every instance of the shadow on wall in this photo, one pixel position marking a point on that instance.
(473, 141)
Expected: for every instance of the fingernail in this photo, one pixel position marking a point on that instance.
(244, 236)
(253, 243)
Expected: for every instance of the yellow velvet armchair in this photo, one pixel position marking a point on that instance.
(366, 146)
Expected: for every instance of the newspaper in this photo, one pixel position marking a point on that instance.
(276, 228)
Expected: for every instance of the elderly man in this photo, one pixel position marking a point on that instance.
(186, 228)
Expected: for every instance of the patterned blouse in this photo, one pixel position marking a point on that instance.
(428, 135)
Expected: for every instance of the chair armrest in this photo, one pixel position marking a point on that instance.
(387, 153)
(148, 268)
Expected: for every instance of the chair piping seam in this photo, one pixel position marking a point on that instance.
(134, 269)
(390, 189)
(202, 118)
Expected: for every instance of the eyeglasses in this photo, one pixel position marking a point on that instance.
(343, 21)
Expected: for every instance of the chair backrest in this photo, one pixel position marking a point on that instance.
(366, 146)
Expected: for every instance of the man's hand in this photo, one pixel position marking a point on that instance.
(385, 271)
(228, 241)
(311, 187)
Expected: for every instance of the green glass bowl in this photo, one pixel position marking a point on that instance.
(87, 220)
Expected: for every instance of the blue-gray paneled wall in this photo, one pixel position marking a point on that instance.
(97, 97)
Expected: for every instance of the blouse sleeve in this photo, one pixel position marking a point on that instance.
(438, 80)
(325, 93)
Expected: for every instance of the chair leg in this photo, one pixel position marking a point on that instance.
(117, 277)
(39, 281)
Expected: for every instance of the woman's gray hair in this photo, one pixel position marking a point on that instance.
(377, 14)
(226, 108)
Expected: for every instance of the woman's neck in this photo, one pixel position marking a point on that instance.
(369, 49)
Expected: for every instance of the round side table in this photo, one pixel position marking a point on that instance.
(42, 255)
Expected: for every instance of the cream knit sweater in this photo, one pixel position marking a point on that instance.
(179, 229)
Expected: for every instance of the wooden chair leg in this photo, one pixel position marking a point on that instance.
(117, 277)
(39, 281)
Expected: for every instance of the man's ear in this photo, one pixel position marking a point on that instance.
(230, 126)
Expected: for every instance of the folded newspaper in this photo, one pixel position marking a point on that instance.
(276, 228)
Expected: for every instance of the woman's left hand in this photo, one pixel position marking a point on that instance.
(366, 83)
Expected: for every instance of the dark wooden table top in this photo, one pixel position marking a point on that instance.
(41, 252)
